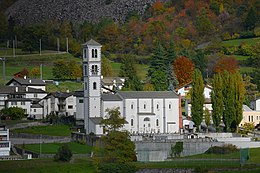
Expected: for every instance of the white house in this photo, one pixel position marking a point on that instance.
(255, 105)
(59, 103)
(207, 105)
(5, 144)
(23, 97)
(184, 90)
(112, 83)
(250, 116)
(144, 112)
(28, 82)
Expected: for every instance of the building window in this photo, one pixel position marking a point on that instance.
(144, 106)
(249, 118)
(86, 86)
(22, 103)
(170, 106)
(146, 119)
(149, 125)
(157, 106)
(94, 86)
(81, 101)
(157, 122)
(132, 106)
(35, 95)
(85, 53)
(85, 70)
(94, 53)
(70, 106)
(13, 103)
(252, 118)
(34, 110)
(94, 69)
(132, 122)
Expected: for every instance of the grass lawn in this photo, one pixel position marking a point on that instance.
(234, 155)
(254, 156)
(240, 57)
(237, 42)
(52, 148)
(52, 130)
(246, 69)
(46, 166)
(64, 86)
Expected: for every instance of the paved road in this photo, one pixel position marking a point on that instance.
(37, 141)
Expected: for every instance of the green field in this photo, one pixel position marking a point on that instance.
(65, 86)
(237, 42)
(52, 148)
(52, 130)
(240, 57)
(46, 166)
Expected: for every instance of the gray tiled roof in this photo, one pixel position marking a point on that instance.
(36, 105)
(21, 90)
(91, 42)
(246, 108)
(111, 97)
(60, 94)
(147, 94)
(27, 81)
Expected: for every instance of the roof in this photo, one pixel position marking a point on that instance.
(246, 108)
(60, 94)
(111, 97)
(27, 81)
(37, 105)
(206, 101)
(92, 42)
(19, 90)
(112, 80)
(96, 120)
(147, 94)
(79, 93)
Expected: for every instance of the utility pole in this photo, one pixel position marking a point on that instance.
(3, 59)
(13, 48)
(40, 46)
(58, 45)
(41, 70)
(67, 44)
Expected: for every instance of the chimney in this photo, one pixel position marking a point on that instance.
(24, 77)
(30, 81)
(16, 89)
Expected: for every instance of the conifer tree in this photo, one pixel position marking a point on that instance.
(239, 93)
(171, 56)
(197, 98)
(158, 69)
(217, 100)
(228, 98)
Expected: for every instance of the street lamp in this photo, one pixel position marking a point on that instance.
(3, 59)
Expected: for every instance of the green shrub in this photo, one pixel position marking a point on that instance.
(225, 149)
(64, 154)
(117, 168)
(247, 34)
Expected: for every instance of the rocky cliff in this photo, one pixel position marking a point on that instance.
(35, 11)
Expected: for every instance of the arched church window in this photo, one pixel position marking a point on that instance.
(157, 106)
(144, 106)
(132, 122)
(94, 69)
(86, 86)
(94, 86)
(85, 53)
(85, 70)
(157, 122)
(92, 53)
(132, 106)
(95, 53)
(170, 106)
(146, 119)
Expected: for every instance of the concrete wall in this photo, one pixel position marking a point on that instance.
(160, 151)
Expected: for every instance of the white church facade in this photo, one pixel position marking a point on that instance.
(144, 111)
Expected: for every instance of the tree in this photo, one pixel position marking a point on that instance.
(60, 70)
(117, 144)
(229, 64)
(251, 19)
(217, 100)
(203, 23)
(35, 72)
(106, 67)
(207, 117)
(197, 98)
(25, 72)
(183, 68)
(171, 56)
(239, 93)
(177, 149)
(158, 69)
(248, 127)
(228, 100)
(64, 154)
(3, 25)
(128, 70)
(15, 113)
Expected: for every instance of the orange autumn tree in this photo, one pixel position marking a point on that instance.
(183, 68)
(228, 64)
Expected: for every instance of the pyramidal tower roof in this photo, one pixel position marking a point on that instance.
(91, 42)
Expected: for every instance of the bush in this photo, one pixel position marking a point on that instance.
(64, 154)
(247, 34)
(15, 113)
(117, 168)
(225, 149)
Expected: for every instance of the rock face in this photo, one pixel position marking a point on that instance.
(76, 11)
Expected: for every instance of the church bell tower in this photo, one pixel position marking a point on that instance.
(92, 85)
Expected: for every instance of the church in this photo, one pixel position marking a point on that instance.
(144, 111)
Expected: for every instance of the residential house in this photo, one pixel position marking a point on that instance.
(255, 105)
(59, 103)
(28, 82)
(23, 97)
(185, 90)
(250, 116)
(112, 83)
(207, 105)
(5, 144)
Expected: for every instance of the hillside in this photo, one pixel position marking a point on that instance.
(34, 11)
